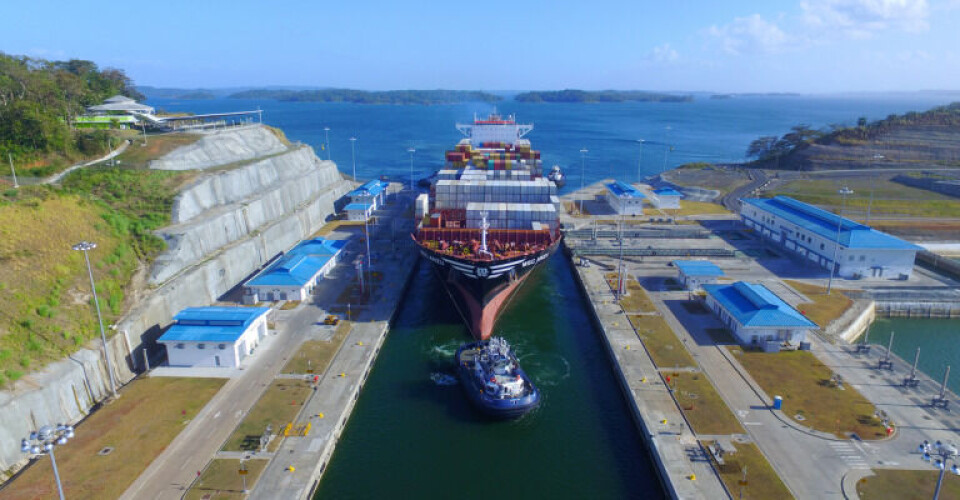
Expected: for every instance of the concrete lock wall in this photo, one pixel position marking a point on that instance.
(232, 223)
(220, 148)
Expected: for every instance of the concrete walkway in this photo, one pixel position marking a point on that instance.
(55, 178)
(675, 449)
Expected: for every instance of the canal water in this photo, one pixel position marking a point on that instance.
(938, 340)
(413, 432)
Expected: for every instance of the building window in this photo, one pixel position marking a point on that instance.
(863, 258)
(821, 246)
(851, 258)
(222, 346)
(179, 346)
(201, 346)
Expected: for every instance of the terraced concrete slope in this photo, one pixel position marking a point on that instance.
(256, 198)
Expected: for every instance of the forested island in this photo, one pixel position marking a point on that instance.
(600, 96)
(371, 97)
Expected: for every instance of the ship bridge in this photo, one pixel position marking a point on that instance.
(494, 129)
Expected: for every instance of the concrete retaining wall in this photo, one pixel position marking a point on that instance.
(220, 148)
(854, 322)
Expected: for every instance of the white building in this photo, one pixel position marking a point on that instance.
(666, 198)
(756, 316)
(214, 336)
(372, 193)
(693, 274)
(625, 199)
(120, 105)
(811, 234)
(296, 274)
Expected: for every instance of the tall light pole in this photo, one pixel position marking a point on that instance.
(666, 147)
(873, 183)
(640, 162)
(620, 272)
(844, 191)
(411, 151)
(353, 152)
(945, 452)
(43, 441)
(583, 161)
(86, 246)
(13, 171)
(326, 140)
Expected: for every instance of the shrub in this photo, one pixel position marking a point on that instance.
(13, 375)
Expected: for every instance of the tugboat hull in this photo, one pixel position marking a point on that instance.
(498, 408)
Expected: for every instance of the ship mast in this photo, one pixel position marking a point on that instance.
(484, 225)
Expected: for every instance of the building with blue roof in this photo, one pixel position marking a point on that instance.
(666, 198)
(693, 274)
(295, 275)
(214, 336)
(373, 192)
(811, 234)
(624, 199)
(756, 316)
(359, 211)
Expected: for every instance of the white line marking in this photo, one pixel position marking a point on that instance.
(216, 415)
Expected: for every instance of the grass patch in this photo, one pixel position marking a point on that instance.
(137, 155)
(907, 484)
(665, 348)
(702, 405)
(804, 383)
(317, 354)
(698, 208)
(138, 426)
(221, 479)
(636, 299)
(890, 198)
(278, 406)
(290, 304)
(825, 308)
(762, 480)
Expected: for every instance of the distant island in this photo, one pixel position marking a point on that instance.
(371, 97)
(600, 96)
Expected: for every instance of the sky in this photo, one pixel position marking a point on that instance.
(808, 46)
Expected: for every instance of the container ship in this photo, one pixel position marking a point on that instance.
(490, 219)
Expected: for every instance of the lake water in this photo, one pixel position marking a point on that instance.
(715, 130)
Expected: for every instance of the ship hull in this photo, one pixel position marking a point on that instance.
(479, 290)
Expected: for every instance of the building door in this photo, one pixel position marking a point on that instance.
(216, 359)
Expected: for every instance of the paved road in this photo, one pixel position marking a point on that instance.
(731, 200)
(58, 176)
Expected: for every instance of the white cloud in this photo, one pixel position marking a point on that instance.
(750, 34)
(863, 18)
(664, 54)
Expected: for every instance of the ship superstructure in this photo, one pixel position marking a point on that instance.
(492, 219)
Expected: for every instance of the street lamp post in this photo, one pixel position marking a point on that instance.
(844, 192)
(945, 453)
(640, 162)
(86, 246)
(326, 140)
(13, 171)
(620, 269)
(666, 150)
(353, 154)
(43, 441)
(583, 160)
(411, 151)
(873, 184)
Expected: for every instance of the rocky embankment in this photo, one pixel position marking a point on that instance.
(908, 146)
(255, 198)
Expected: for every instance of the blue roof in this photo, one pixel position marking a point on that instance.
(300, 264)
(754, 305)
(358, 206)
(852, 234)
(621, 189)
(698, 268)
(212, 324)
(667, 192)
(372, 188)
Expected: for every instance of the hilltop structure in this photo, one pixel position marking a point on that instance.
(818, 236)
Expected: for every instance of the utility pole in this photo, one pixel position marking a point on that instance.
(13, 171)
(143, 126)
(583, 160)
(640, 162)
(326, 140)
(873, 184)
(353, 152)
(836, 247)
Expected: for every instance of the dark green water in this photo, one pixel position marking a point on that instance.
(412, 436)
(938, 340)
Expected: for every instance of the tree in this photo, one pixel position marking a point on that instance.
(762, 147)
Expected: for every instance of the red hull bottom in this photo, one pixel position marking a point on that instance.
(482, 318)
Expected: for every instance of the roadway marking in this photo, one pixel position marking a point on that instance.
(216, 415)
(753, 423)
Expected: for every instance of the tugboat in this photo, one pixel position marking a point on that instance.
(494, 381)
(556, 175)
